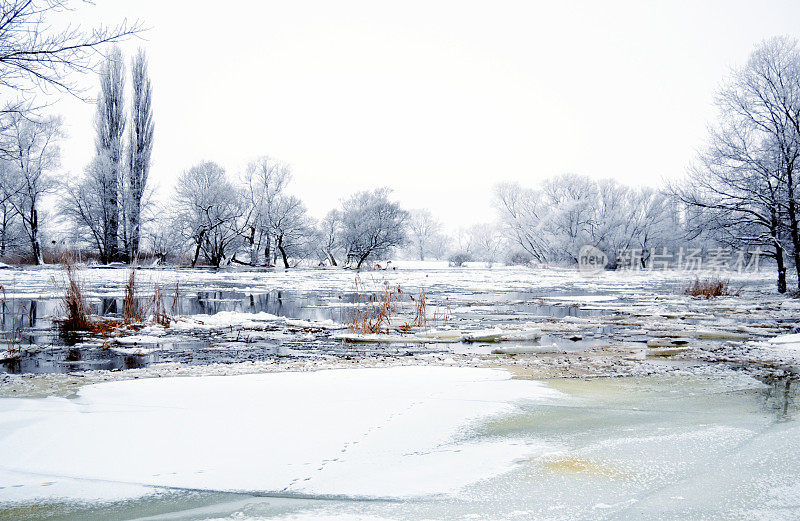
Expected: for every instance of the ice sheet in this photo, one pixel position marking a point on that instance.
(394, 432)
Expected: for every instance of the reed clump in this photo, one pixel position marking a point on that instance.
(80, 318)
(373, 314)
(78, 312)
(711, 288)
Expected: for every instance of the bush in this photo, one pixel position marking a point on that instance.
(519, 258)
(458, 259)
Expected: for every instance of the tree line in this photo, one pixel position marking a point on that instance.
(741, 192)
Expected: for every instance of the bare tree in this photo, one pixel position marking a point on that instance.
(209, 208)
(11, 232)
(371, 225)
(110, 126)
(424, 232)
(140, 146)
(737, 189)
(34, 56)
(486, 242)
(265, 181)
(521, 213)
(745, 186)
(760, 109)
(329, 235)
(32, 155)
(291, 227)
(85, 205)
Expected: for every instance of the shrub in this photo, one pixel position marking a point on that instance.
(520, 258)
(458, 259)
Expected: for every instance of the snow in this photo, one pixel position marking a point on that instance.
(503, 335)
(447, 336)
(225, 319)
(393, 432)
(791, 341)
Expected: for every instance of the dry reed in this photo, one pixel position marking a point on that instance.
(710, 288)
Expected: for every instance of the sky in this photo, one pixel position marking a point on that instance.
(437, 100)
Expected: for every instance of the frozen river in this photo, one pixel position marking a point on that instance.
(529, 394)
(405, 443)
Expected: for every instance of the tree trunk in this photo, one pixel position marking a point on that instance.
(134, 229)
(793, 224)
(36, 248)
(253, 251)
(112, 228)
(332, 259)
(197, 250)
(781, 268)
(283, 253)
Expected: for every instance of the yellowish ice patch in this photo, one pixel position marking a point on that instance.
(576, 465)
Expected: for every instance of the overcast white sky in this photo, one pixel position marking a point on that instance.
(439, 100)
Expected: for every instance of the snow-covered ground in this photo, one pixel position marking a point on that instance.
(405, 443)
(392, 432)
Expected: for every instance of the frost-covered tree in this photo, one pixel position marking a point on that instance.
(85, 206)
(32, 155)
(265, 181)
(486, 242)
(553, 221)
(11, 232)
(140, 147)
(110, 127)
(424, 232)
(760, 105)
(328, 235)
(571, 213)
(736, 191)
(521, 212)
(163, 233)
(744, 186)
(209, 210)
(371, 224)
(292, 228)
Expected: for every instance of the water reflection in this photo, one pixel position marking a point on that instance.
(780, 397)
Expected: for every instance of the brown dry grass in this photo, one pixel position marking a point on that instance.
(79, 316)
(420, 310)
(132, 312)
(710, 288)
(371, 315)
(159, 312)
(13, 336)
